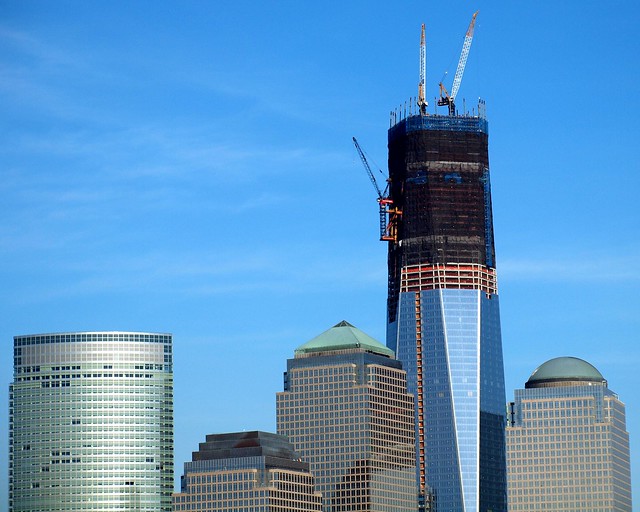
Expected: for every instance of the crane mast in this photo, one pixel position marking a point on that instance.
(422, 102)
(445, 97)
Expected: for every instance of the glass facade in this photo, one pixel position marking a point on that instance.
(443, 315)
(347, 411)
(91, 422)
(567, 447)
(463, 393)
(247, 472)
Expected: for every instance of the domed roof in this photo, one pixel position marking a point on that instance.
(562, 369)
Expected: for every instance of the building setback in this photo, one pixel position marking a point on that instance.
(91, 422)
(247, 472)
(443, 318)
(567, 443)
(346, 409)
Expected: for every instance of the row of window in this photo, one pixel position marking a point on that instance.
(21, 341)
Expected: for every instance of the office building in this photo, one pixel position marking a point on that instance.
(567, 443)
(443, 318)
(346, 410)
(91, 422)
(247, 472)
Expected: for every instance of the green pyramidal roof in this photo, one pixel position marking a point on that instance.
(343, 336)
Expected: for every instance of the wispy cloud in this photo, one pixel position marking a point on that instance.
(147, 150)
(42, 76)
(32, 47)
(66, 81)
(581, 268)
(214, 273)
(260, 201)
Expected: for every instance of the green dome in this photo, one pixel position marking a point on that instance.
(343, 336)
(563, 369)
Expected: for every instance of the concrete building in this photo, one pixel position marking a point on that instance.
(247, 472)
(346, 409)
(91, 422)
(443, 315)
(567, 443)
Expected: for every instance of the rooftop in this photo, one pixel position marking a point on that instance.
(564, 369)
(343, 336)
(245, 444)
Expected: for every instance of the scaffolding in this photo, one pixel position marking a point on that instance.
(439, 180)
(409, 114)
(458, 276)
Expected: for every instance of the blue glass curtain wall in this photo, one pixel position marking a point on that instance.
(463, 394)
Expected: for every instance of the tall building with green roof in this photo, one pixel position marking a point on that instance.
(567, 442)
(346, 409)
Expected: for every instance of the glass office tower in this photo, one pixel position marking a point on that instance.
(91, 422)
(247, 472)
(443, 318)
(567, 442)
(346, 409)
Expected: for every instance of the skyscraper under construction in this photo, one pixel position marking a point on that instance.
(443, 313)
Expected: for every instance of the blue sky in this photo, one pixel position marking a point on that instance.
(187, 167)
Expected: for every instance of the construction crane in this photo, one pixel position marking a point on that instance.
(388, 214)
(449, 99)
(422, 102)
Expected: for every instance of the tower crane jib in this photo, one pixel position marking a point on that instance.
(449, 99)
(388, 213)
(466, 46)
(367, 168)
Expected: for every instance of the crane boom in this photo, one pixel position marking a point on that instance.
(466, 46)
(422, 86)
(368, 168)
(389, 214)
(447, 99)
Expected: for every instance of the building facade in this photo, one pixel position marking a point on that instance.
(247, 472)
(443, 316)
(91, 422)
(567, 443)
(346, 409)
